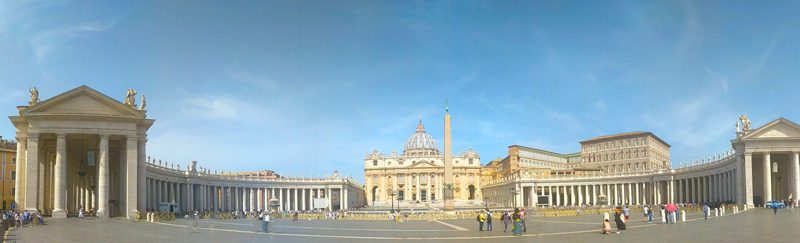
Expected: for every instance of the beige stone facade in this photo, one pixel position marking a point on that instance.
(417, 175)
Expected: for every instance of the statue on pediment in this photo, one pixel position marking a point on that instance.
(193, 167)
(34, 96)
(130, 99)
(143, 105)
(745, 123)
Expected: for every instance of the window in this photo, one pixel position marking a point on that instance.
(470, 161)
(13, 160)
(375, 162)
(13, 191)
(13, 175)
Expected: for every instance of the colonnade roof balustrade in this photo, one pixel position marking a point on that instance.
(184, 173)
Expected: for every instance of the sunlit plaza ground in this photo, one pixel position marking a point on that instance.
(749, 226)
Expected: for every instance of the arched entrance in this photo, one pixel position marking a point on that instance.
(471, 189)
(374, 194)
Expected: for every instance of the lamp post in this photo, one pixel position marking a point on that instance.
(392, 211)
(514, 194)
(485, 203)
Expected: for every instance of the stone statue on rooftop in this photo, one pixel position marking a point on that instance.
(34, 95)
(745, 123)
(143, 105)
(130, 99)
(193, 167)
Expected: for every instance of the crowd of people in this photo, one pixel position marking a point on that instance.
(515, 218)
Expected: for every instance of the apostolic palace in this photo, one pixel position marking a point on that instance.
(83, 149)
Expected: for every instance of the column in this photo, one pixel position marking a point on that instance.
(572, 195)
(637, 194)
(346, 200)
(609, 200)
(141, 174)
(19, 193)
(748, 179)
(594, 194)
(630, 193)
(296, 200)
(644, 193)
(580, 195)
(132, 190)
(59, 194)
(31, 172)
(616, 195)
(671, 190)
(550, 196)
(558, 196)
(280, 200)
(622, 197)
(796, 174)
(253, 200)
(767, 177)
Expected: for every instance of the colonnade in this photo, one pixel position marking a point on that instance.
(205, 197)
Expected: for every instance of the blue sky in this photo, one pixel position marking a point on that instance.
(306, 87)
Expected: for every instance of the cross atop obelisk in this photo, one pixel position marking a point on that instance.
(448, 163)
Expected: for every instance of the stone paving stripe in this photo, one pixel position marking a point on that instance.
(450, 225)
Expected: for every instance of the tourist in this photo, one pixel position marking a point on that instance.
(522, 214)
(606, 227)
(80, 212)
(627, 213)
(517, 229)
(618, 220)
(774, 209)
(506, 218)
(480, 219)
(706, 210)
(488, 220)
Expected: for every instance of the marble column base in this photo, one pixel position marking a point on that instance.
(59, 214)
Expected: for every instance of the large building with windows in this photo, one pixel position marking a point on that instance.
(8, 163)
(634, 168)
(415, 178)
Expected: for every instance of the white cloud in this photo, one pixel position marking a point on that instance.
(718, 79)
(45, 43)
(211, 107)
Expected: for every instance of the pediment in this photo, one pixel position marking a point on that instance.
(423, 164)
(780, 128)
(82, 101)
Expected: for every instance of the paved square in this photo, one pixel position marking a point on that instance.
(749, 226)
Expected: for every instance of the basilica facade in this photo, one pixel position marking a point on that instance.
(415, 178)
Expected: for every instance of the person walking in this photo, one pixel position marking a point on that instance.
(480, 219)
(488, 220)
(80, 212)
(627, 213)
(506, 218)
(706, 209)
(522, 215)
(774, 209)
(618, 220)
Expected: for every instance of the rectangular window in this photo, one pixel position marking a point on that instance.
(13, 160)
(13, 175)
(401, 195)
(13, 191)
(470, 161)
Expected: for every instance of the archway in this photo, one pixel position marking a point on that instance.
(471, 189)
(374, 194)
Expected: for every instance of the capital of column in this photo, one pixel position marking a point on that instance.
(61, 135)
(104, 136)
(33, 137)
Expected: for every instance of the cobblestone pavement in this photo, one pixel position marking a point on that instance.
(750, 226)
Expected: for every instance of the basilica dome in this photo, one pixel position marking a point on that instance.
(420, 143)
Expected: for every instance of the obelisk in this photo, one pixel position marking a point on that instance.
(448, 163)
